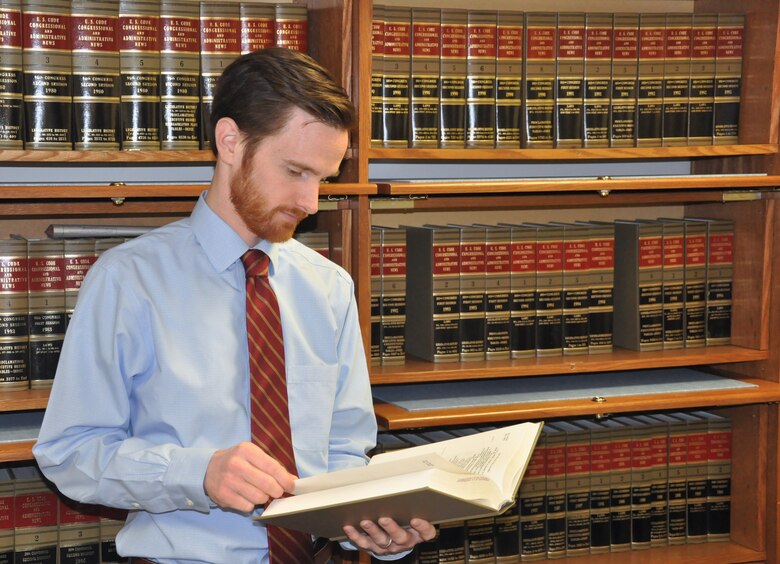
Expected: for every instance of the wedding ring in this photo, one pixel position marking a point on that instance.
(389, 542)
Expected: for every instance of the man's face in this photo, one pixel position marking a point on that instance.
(278, 186)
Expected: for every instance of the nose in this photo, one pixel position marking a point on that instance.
(310, 198)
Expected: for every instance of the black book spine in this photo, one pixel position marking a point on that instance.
(377, 73)
(576, 274)
(549, 292)
(509, 78)
(392, 348)
(623, 102)
(649, 117)
(452, 542)
(673, 285)
(570, 80)
(703, 47)
(598, 71)
(376, 294)
(472, 293)
(396, 77)
(452, 97)
(728, 78)
(11, 87)
(522, 306)
(720, 273)
(425, 77)
(507, 532)
(481, 540)
(677, 79)
(497, 292)
(556, 495)
(481, 79)
(539, 79)
(532, 505)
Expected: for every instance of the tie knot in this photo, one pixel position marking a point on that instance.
(255, 263)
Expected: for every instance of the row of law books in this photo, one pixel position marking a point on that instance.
(38, 524)
(475, 78)
(39, 284)
(619, 484)
(447, 293)
(126, 74)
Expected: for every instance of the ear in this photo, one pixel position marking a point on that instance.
(227, 137)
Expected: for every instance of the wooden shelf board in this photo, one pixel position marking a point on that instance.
(22, 400)
(17, 451)
(106, 157)
(433, 154)
(414, 370)
(704, 553)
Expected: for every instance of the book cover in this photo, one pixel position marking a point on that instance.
(703, 48)
(641, 484)
(696, 477)
(650, 79)
(47, 74)
(719, 437)
(659, 480)
(600, 461)
(425, 79)
(719, 280)
(481, 540)
(440, 481)
(522, 283)
(532, 505)
(539, 79)
(481, 79)
(433, 293)
(46, 319)
(507, 535)
(638, 285)
(555, 441)
(625, 68)
(576, 289)
(498, 264)
(139, 68)
(14, 288)
(452, 542)
(397, 76)
(220, 44)
(597, 79)
(179, 75)
(35, 516)
(79, 532)
(78, 256)
(291, 26)
(676, 477)
(549, 290)
(570, 80)
(111, 521)
(452, 97)
(472, 292)
(6, 516)
(673, 284)
(728, 78)
(509, 77)
(11, 88)
(577, 487)
(619, 485)
(95, 60)
(257, 26)
(677, 80)
(377, 73)
(392, 304)
(601, 284)
(376, 293)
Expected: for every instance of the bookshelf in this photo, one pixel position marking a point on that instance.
(737, 181)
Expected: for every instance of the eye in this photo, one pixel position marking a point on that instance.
(294, 172)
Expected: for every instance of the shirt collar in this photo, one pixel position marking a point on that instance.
(222, 245)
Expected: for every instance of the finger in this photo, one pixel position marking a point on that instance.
(426, 530)
(267, 464)
(357, 538)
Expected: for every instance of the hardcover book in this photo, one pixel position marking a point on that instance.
(598, 75)
(376, 294)
(111, 521)
(650, 78)
(507, 535)
(509, 77)
(728, 78)
(35, 517)
(481, 539)
(11, 88)
(641, 483)
(601, 285)
(481, 79)
(79, 532)
(719, 280)
(441, 481)
(719, 438)
(625, 64)
(569, 80)
(677, 80)
(498, 264)
(555, 441)
(549, 290)
(397, 76)
(452, 97)
(6, 515)
(676, 477)
(78, 256)
(377, 74)
(179, 75)
(600, 461)
(257, 26)
(139, 67)
(425, 86)
(703, 47)
(673, 284)
(696, 477)
(452, 542)
(532, 503)
(659, 480)
(48, 86)
(472, 292)
(291, 26)
(14, 287)
(619, 485)
(392, 303)
(576, 290)
(539, 79)
(522, 283)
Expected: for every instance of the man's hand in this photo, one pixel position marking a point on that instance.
(387, 537)
(244, 476)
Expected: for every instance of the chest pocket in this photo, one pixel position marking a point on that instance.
(311, 391)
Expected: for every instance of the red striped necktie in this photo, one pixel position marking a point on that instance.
(268, 388)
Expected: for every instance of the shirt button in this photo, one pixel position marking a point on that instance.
(190, 503)
(136, 504)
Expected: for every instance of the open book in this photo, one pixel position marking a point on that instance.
(461, 478)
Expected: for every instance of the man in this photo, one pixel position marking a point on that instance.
(150, 409)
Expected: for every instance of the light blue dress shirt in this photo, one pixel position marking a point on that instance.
(154, 377)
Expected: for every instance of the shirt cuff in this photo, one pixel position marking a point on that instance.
(184, 478)
(346, 545)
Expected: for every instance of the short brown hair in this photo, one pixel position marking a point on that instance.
(259, 90)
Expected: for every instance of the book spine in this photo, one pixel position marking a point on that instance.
(539, 79)
(95, 60)
(257, 26)
(677, 80)
(728, 78)
(576, 269)
(220, 44)
(673, 285)
(620, 488)
(601, 256)
(597, 77)
(720, 274)
(678, 452)
(48, 85)
(649, 112)
(497, 292)
(452, 542)
(452, 97)
(703, 48)
(78, 256)
(139, 67)
(377, 73)
(35, 516)
(625, 65)
(396, 77)
(427, 552)
(472, 293)
(509, 78)
(481, 541)
(696, 472)
(659, 483)
(570, 80)
(14, 342)
(79, 533)
(695, 283)
(549, 292)
(577, 489)
(6, 516)
(392, 347)
(533, 507)
(481, 79)
(426, 52)
(376, 294)
(291, 26)
(719, 437)
(46, 320)
(641, 486)
(111, 521)
(523, 292)
(11, 88)
(556, 495)
(600, 460)
(508, 536)
(179, 75)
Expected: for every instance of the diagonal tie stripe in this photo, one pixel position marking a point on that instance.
(268, 386)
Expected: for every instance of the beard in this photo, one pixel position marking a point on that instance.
(271, 224)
